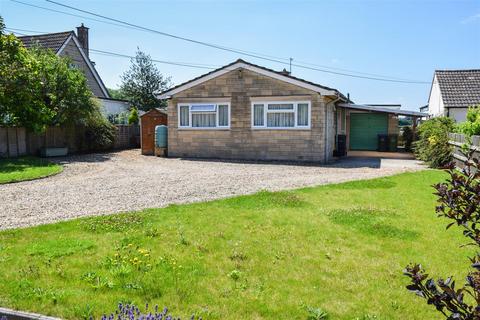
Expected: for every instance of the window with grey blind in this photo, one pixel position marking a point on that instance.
(302, 114)
(204, 119)
(281, 115)
(223, 115)
(184, 116)
(204, 115)
(258, 115)
(280, 120)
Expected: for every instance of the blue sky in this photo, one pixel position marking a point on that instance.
(403, 39)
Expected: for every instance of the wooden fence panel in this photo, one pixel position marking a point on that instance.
(34, 143)
(126, 136)
(3, 143)
(122, 136)
(457, 141)
(16, 142)
(12, 142)
(22, 141)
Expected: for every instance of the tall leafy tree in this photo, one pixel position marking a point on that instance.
(19, 104)
(142, 81)
(64, 89)
(39, 89)
(116, 94)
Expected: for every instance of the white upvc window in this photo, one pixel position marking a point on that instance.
(204, 115)
(281, 114)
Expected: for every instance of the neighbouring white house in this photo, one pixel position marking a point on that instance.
(114, 106)
(452, 92)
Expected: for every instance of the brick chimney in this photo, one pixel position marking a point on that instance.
(82, 35)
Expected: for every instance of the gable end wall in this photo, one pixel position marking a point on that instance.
(73, 53)
(436, 107)
(241, 141)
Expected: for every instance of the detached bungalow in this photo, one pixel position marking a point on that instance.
(245, 111)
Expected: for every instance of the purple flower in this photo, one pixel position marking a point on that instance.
(132, 312)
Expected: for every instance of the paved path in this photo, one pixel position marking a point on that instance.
(125, 181)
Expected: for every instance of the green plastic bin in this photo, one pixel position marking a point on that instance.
(382, 142)
(392, 142)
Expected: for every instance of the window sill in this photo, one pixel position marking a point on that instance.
(285, 128)
(202, 129)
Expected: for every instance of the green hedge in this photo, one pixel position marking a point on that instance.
(432, 145)
(471, 126)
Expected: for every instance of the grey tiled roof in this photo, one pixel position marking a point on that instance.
(52, 41)
(255, 65)
(459, 88)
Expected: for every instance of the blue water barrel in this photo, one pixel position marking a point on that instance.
(161, 134)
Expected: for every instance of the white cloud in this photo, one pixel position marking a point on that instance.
(471, 19)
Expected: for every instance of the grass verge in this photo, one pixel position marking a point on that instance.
(26, 168)
(336, 248)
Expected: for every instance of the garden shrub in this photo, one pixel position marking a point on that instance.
(99, 132)
(472, 124)
(121, 118)
(133, 117)
(407, 137)
(432, 145)
(459, 201)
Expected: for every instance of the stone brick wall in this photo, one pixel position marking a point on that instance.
(73, 53)
(331, 128)
(392, 124)
(240, 87)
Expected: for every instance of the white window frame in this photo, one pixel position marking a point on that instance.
(266, 111)
(216, 104)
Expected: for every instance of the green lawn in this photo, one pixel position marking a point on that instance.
(341, 248)
(27, 168)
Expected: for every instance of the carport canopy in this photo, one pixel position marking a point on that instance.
(367, 125)
(399, 112)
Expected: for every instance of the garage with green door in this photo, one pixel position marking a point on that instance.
(365, 128)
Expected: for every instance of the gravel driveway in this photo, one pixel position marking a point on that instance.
(123, 181)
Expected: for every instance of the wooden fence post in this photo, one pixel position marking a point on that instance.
(16, 141)
(8, 143)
